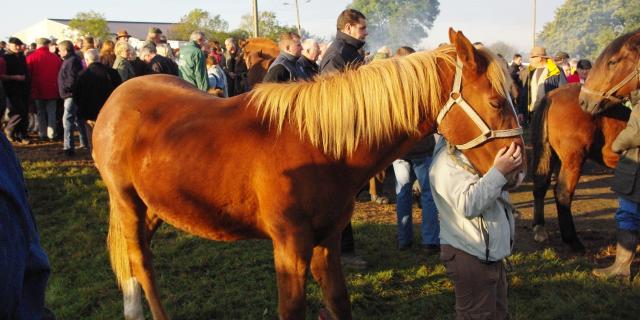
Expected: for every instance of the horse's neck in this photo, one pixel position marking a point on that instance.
(367, 160)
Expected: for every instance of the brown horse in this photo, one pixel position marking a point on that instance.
(284, 161)
(563, 138)
(614, 76)
(258, 54)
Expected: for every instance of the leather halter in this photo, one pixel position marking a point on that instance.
(609, 95)
(455, 97)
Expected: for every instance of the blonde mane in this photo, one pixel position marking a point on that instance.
(367, 105)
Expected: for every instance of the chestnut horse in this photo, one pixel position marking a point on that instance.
(284, 161)
(563, 138)
(258, 54)
(614, 76)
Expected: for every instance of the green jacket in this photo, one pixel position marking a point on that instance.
(625, 182)
(192, 65)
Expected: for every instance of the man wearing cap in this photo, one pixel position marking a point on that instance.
(16, 85)
(43, 68)
(122, 36)
(542, 76)
(153, 37)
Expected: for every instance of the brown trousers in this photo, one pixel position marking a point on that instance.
(480, 288)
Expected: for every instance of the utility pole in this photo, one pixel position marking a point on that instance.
(298, 16)
(256, 30)
(534, 24)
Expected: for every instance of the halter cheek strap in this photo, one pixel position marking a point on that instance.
(455, 98)
(609, 95)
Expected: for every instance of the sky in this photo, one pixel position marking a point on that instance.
(487, 21)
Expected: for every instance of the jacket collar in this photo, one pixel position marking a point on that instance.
(349, 40)
(552, 68)
(291, 58)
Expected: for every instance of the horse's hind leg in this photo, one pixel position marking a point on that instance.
(540, 186)
(326, 269)
(565, 188)
(134, 232)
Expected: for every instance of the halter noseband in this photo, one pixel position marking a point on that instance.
(609, 95)
(486, 133)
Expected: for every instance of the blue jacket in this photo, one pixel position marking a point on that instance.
(24, 266)
(69, 72)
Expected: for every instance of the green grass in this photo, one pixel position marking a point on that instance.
(201, 279)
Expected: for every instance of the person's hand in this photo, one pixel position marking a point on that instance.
(19, 77)
(508, 159)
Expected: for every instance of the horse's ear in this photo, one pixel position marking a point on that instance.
(452, 35)
(466, 51)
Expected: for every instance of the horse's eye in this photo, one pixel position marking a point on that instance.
(612, 62)
(495, 103)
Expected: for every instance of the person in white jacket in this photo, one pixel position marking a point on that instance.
(476, 228)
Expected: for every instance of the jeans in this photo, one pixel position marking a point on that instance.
(406, 173)
(70, 122)
(628, 215)
(46, 118)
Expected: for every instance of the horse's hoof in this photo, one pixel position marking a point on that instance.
(576, 246)
(540, 234)
(324, 314)
(380, 199)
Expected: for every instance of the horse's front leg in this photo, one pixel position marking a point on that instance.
(327, 270)
(292, 253)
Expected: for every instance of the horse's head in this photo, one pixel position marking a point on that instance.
(258, 54)
(257, 66)
(614, 76)
(479, 117)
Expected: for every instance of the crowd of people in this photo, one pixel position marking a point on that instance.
(77, 78)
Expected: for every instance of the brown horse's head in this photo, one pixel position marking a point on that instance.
(258, 54)
(479, 117)
(614, 76)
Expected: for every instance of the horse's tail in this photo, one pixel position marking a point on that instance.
(542, 153)
(118, 247)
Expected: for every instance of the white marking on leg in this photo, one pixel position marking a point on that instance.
(132, 300)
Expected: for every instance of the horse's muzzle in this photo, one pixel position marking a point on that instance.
(514, 180)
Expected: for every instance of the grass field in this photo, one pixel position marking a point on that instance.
(201, 279)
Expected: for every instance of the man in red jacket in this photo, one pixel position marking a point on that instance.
(43, 68)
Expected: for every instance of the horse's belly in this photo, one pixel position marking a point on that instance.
(213, 224)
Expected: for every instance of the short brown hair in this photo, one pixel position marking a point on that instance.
(285, 38)
(404, 51)
(67, 45)
(349, 16)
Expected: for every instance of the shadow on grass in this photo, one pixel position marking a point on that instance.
(201, 279)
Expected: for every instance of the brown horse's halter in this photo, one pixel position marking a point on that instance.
(609, 95)
(486, 133)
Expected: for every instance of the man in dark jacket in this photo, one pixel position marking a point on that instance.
(93, 88)
(343, 52)
(69, 72)
(284, 68)
(157, 63)
(626, 185)
(309, 58)
(24, 266)
(16, 85)
(352, 31)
